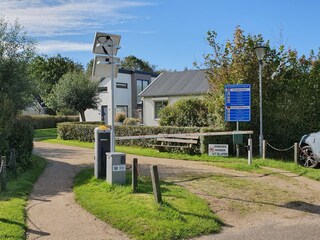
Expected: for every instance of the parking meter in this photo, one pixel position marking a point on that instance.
(102, 142)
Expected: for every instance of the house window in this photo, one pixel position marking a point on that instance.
(121, 85)
(123, 109)
(141, 85)
(102, 89)
(158, 105)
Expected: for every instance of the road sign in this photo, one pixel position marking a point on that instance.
(237, 103)
(218, 150)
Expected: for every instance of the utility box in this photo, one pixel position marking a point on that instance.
(102, 142)
(116, 168)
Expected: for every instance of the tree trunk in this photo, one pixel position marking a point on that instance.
(83, 117)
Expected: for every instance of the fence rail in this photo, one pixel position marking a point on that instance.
(295, 148)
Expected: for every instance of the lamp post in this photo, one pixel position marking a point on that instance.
(260, 52)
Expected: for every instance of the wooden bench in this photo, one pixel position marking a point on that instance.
(185, 143)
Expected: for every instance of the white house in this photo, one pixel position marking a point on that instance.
(168, 88)
(128, 84)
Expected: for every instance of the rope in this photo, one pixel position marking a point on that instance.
(279, 150)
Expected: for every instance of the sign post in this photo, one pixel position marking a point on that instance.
(237, 105)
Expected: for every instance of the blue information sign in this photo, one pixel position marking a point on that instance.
(237, 103)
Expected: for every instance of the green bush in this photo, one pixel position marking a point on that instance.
(131, 121)
(187, 112)
(21, 139)
(40, 122)
(85, 133)
(120, 117)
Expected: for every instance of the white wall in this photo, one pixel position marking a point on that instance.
(122, 96)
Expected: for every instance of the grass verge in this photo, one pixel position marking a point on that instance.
(13, 201)
(239, 164)
(183, 214)
(43, 134)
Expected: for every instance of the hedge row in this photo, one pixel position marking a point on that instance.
(19, 138)
(85, 132)
(40, 122)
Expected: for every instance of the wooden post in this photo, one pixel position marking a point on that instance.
(3, 173)
(250, 150)
(134, 175)
(264, 149)
(156, 184)
(296, 153)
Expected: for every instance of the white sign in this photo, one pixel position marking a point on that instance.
(218, 150)
(119, 168)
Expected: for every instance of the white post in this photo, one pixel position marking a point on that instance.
(250, 151)
(264, 149)
(237, 145)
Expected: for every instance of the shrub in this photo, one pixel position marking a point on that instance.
(40, 122)
(120, 117)
(131, 121)
(189, 112)
(21, 139)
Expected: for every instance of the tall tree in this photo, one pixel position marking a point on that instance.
(16, 88)
(47, 71)
(287, 83)
(75, 92)
(136, 64)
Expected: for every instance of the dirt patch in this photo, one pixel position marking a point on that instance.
(279, 199)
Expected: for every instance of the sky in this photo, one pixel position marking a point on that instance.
(167, 33)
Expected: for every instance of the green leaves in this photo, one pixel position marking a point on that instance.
(74, 91)
(290, 85)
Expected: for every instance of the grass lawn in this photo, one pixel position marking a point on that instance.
(13, 201)
(182, 215)
(230, 162)
(43, 134)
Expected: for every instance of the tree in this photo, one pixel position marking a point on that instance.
(75, 92)
(288, 102)
(135, 64)
(47, 71)
(16, 88)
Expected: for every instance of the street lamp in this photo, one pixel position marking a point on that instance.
(106, 46)
(260, 52)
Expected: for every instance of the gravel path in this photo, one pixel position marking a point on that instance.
(53, 214)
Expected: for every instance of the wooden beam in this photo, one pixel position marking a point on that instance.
(156, 184)
(185, 134)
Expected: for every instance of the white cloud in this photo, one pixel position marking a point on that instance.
(68, 17)
(62, 46)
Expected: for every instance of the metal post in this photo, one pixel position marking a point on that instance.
(264, 149)
(260, 99)
(113, 141)
(237, 145)
(250, 150)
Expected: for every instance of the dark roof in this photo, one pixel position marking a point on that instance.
(192, 82)
(122, 70)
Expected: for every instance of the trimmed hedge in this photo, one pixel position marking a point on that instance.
(41, 122)
(85, 132)
(21, 139)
